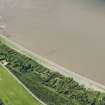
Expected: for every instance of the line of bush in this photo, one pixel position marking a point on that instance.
(51, 87)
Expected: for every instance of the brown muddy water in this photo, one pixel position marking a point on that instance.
(68, 32)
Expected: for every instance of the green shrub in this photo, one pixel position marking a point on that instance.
(1, 102)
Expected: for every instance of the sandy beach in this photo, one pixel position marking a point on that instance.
(70, 33)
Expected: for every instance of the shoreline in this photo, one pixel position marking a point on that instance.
(53, 66)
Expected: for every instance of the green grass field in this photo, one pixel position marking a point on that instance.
(12, 93)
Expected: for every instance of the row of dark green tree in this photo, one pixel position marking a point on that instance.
(51, 87)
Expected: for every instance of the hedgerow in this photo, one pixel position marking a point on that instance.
(51, 87)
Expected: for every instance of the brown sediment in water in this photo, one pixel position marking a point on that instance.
(69, 33)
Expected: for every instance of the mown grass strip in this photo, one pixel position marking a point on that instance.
(12, 93)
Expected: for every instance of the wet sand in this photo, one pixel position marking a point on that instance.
(70, 33)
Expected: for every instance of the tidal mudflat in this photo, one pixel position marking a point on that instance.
(70, 33)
